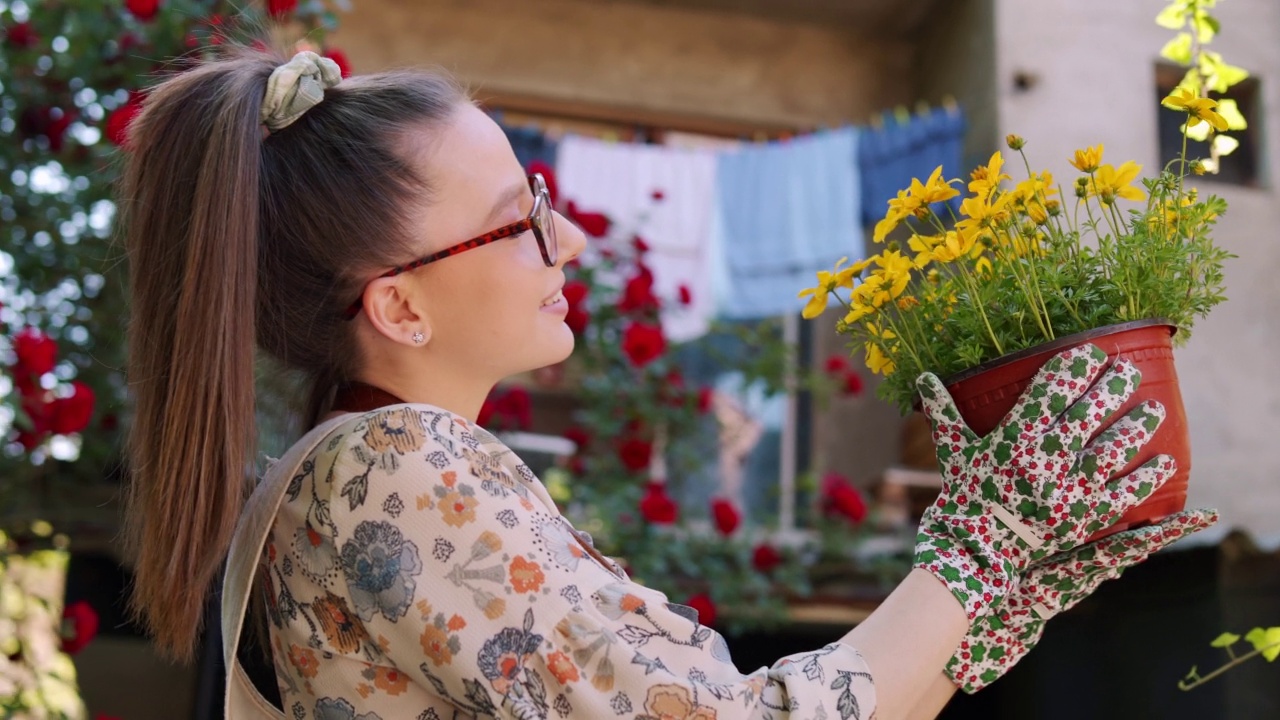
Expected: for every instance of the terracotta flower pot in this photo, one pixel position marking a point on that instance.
(986, 393)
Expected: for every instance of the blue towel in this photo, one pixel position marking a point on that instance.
(787, 210)
(890, 156)
(529, 143)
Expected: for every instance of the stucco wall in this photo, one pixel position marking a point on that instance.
(1093, 62)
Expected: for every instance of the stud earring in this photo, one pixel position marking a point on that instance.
(419, 337)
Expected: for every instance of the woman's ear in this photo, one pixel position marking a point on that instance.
(395, 311)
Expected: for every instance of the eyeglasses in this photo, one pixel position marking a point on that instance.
(540, 221)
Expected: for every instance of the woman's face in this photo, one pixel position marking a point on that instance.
(494, 310)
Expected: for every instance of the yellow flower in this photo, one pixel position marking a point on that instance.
(877, 361)
(983, 266)
(923, 246)
(986, 178)
(982, 213)
(1035, 188)
(1111, 182)
(858, 311)
(1198, 109)
(1087, 160)
(956, 245)
(827, 284)
(890, 222)
(1038, 213)
(935, 190)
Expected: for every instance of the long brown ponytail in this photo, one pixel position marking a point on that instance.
(236, 243)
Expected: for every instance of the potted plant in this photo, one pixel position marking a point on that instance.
(1027, 269)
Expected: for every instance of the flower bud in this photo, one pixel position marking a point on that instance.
(1054, 207)
(1082, 182)
(1197, 167)
(1015, 142)
(1082, 190)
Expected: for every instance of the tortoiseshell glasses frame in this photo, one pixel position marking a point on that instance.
(540, 221)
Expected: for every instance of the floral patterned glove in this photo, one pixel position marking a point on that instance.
(1055, 585)
(1036, 485)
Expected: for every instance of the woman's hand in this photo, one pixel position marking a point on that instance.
(1036, 485)
(1054, 585)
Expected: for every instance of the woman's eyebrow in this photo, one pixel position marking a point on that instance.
(507, 197)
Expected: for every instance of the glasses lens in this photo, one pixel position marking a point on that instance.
(547, 226)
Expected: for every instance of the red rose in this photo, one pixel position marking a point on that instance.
(80, 619)
(21, 35)
(705, 395)
(37, 353)
(643, 343)
(487, 409)
(637, 295)
(657, 507)
(59, 121)
(548, 175)
(842, 498)
(339, 57)
(280, 8)
(593, 224)
(575, 292)
(726, 516)
(577, 320)
(765, 558)
(118, 122)
(641, 247)
(685, 294)
(579, 436)
(515, 407)
(852, 383)
(144, 10)
(836, 364)
(71, 414)
(705, 607)
(635, 453)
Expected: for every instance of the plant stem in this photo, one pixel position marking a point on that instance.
(1184, 685)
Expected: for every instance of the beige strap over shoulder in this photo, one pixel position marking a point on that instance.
(242, 700)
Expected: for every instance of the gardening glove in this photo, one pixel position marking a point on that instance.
(1035, 486)
(1056, 584)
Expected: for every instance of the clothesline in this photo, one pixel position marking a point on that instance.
(746, 222)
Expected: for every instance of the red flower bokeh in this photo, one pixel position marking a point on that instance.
(658, 195)
(594, 224)
(82, 621)
(657, 507)
(643, 343)
(549, 175)
(21, 35)
(726, 516)
(37, 353)
(579, 436)
(118, 122)
(144, 10)
(684, 294)
(72, 414)
(635, 453)
(836, 364)
(840, 497)
(705, 396)
(281, 8)
(575, 293)
(765, 558)
(339, 57)
(641, 247)
(637, 295)
(852, 383)
(706, 608)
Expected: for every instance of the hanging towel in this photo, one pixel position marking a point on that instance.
(891, 155)
(619, 179)
(787, 209)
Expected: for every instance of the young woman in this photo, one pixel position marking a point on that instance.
(377, 236)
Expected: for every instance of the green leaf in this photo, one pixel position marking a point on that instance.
(1178, 49)
(1225, 144)
(1226, 639)
(1206, 26)
(1226, 76)
(1199, 133)
(1173, 17)
(1266, 641)
(1230, 111)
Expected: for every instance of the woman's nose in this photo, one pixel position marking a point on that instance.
(569, 238)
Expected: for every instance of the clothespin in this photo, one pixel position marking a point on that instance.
(950, 105)
(922, 108)
(609, 136)
(902, 114)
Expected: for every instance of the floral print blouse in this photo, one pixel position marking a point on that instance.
(417, 570)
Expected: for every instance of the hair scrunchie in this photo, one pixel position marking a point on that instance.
(297, 86)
